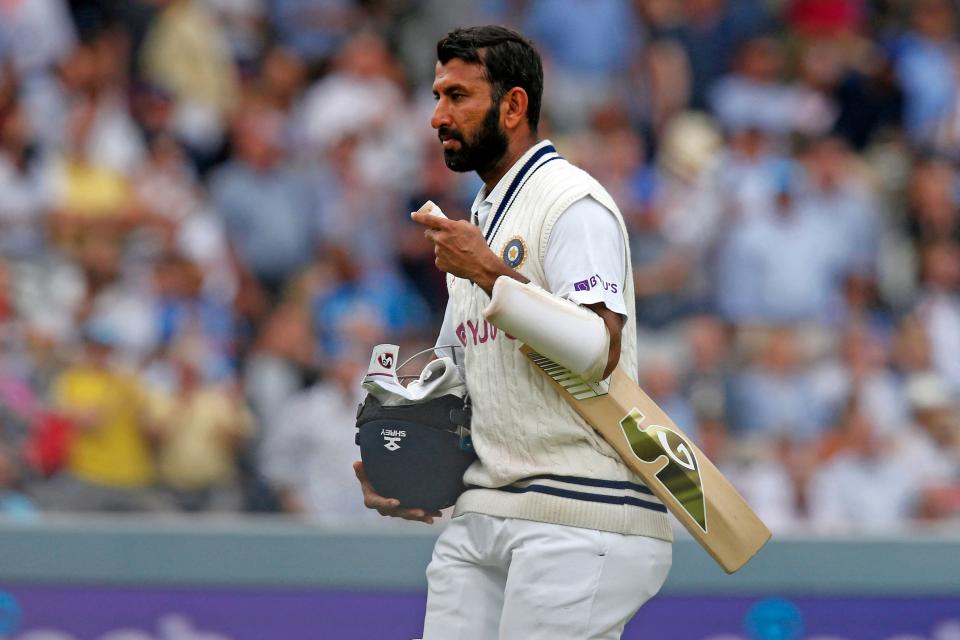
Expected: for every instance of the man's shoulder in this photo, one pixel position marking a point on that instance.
(561, 180)
(561, 172)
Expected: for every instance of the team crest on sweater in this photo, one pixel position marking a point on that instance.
(514, 252)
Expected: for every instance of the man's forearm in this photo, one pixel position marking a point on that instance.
(486, 275)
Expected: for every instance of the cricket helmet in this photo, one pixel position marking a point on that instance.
(415, 439)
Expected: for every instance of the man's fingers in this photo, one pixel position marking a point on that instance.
(360, 473)
(389, 506)
(371, 499)
(419, 515)
(429, 220)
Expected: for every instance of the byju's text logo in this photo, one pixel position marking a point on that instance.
(595, 281)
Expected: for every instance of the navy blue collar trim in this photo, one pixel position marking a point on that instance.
(514, 185)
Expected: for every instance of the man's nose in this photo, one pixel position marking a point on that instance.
(441, 116)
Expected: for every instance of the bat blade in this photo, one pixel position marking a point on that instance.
(674, 468)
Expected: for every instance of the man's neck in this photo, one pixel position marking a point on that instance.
(514, 152)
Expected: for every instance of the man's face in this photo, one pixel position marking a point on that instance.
(466, 119)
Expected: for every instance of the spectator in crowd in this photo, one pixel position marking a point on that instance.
(23, 194)
(784, 266)
(712, 32)
(928, 446)
(353, 306)
(266, 204)
(109, 464)
(186, 52)
(361, 100)
(864, 487)
(932, 203)
(313, 28)
(860, 368)
(309, 447)
(755, 97)
(283, 357)
(90, 196)
(200, 426)
(926, 67)
(773, 395)
(184, 313)
(591, 46)
(705, 383)
(939, 307)
(835, 191)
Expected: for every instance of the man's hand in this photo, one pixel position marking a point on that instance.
(389, 506)
(461, 250)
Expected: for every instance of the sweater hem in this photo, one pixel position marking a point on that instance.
(616, 518)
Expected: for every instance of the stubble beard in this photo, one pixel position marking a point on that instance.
(484, 151)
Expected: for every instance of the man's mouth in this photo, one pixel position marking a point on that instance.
(447, 138)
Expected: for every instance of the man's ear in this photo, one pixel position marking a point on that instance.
(513, 107)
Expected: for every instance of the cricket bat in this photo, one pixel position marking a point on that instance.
(674, 469)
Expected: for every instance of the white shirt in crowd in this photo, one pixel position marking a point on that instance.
(309, 450)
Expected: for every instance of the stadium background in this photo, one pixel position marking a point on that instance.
(203, 230)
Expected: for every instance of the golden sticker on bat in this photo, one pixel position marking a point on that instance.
(681, 475)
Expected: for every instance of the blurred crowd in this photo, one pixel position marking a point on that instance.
(204, 230)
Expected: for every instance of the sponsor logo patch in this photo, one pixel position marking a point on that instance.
(681, 475)
(595, 281)
(392, 438)
(514, 252)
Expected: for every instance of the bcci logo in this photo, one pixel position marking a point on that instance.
(392, 438)
(514, 252)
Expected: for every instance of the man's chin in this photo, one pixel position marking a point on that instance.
(456, 162)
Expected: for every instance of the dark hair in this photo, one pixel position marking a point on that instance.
(509, 60)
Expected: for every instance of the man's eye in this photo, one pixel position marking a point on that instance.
(456, 96)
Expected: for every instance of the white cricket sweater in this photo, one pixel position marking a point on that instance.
(538, 459)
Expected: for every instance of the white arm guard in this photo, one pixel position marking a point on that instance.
(568, 334)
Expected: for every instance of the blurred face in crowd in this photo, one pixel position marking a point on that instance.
(934, 18)
(933, 198)
(781, 351)
(257, 137)
(707, 340)
(467, 118)
(365, 56)
(827, 163)
(860, 436)
(941, 266)
(14, 129)
(284, 74)
(761, 60)
(98, 353)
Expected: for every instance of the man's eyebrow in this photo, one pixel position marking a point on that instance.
(450, 88)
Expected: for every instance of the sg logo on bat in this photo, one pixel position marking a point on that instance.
(681, 475)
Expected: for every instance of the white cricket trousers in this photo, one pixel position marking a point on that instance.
(507, 579)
